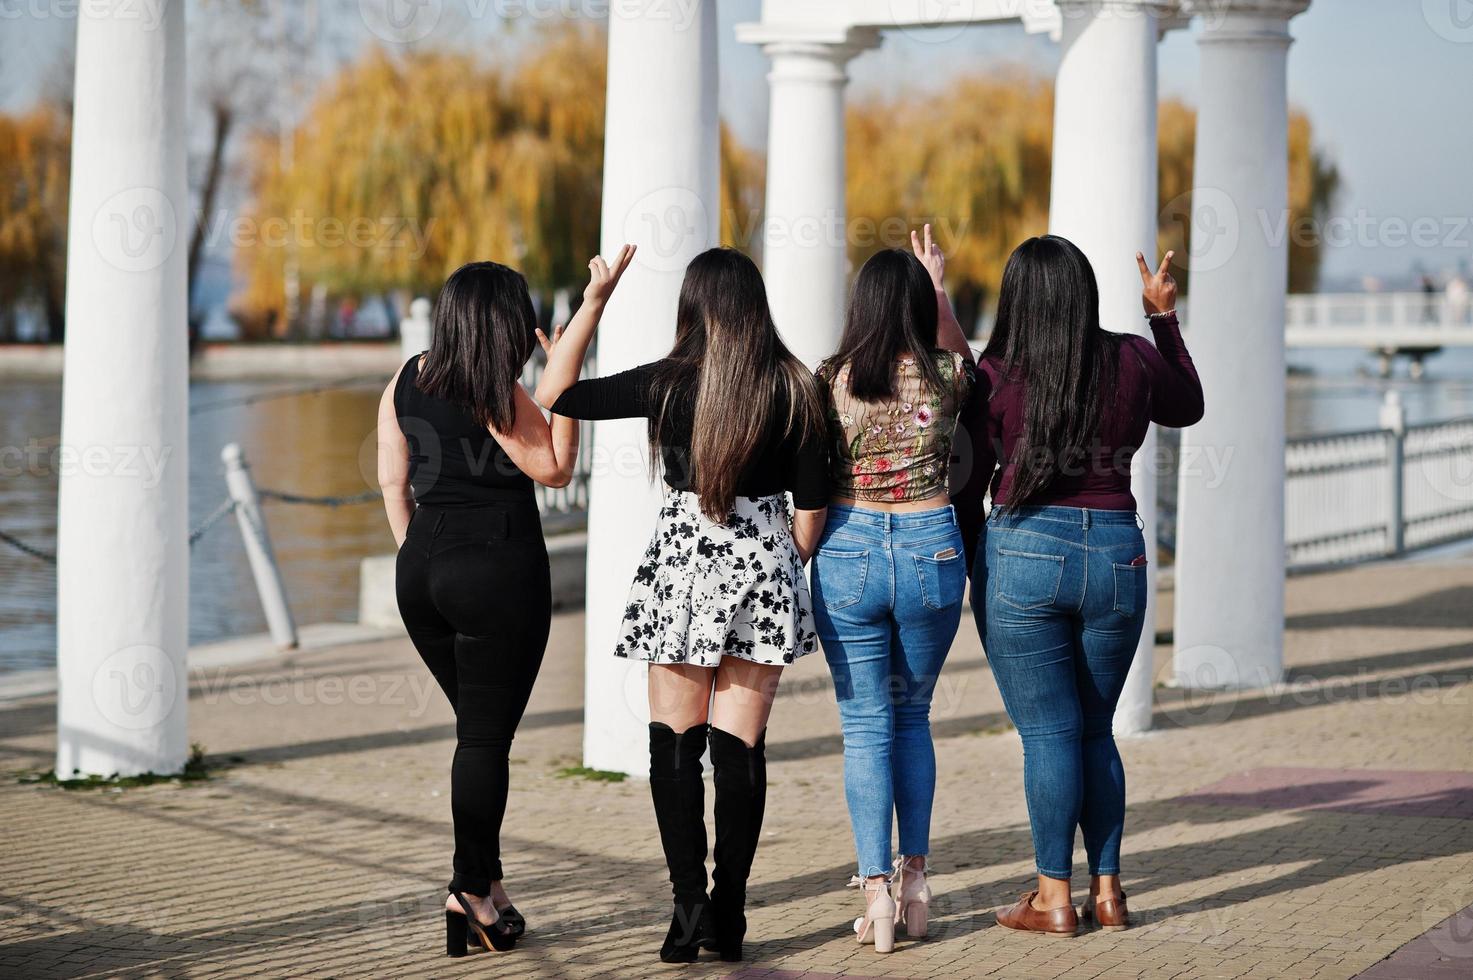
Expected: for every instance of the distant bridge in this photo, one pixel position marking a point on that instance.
(1388, 322)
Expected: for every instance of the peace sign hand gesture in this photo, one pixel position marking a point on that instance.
(1158, 292)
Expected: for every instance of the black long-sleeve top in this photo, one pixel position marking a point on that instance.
(794, 462)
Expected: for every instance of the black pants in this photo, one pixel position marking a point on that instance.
(475, 595)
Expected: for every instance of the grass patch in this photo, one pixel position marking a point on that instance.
(195, 771)
(592, 775)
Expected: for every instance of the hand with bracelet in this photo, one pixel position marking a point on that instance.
(1158, 293)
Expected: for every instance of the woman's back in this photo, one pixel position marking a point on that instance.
(899, 448)
(454, 460)
(1152, 384)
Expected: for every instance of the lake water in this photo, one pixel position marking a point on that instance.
(321, 443)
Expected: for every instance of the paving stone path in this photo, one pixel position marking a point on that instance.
(1312, 830)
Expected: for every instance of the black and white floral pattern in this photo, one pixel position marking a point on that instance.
(708, 590)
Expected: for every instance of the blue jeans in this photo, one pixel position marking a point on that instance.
(887, 597)
(1063, 611)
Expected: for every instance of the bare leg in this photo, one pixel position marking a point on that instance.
(680, 695)
(1053, 893)
(744, 693)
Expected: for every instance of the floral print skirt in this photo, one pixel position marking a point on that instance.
(708, 590)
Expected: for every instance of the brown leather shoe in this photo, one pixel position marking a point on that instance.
(1061, 921)
(1109, 913)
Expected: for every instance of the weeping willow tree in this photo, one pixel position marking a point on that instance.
(977, 164)
(407, 166)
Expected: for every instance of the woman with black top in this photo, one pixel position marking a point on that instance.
(460, 442)
(719, 603)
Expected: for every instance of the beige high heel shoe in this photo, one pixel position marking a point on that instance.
(912, 895)
(877, 925)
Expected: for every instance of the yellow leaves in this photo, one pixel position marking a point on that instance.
(451, 159)
(976, 162)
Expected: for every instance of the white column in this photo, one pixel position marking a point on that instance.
(1104, 200)
(123, 554)
(804, 250)
(1230, 563)
(661, 192)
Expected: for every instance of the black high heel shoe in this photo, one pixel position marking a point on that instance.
(460, 925)
(513, 920)
(515, 924)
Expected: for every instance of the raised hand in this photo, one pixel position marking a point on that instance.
(604, 276)
(548, 345)
(1158, 289)
(930, 255)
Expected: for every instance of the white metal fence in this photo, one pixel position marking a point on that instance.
(1375, 494)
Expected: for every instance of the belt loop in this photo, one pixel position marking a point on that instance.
(1085, 511)
(439, 523)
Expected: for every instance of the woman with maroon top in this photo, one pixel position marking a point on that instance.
(1058, 565)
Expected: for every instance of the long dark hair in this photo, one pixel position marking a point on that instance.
(729, 359)
(1048, 335)
(483, 335)
(892, 311)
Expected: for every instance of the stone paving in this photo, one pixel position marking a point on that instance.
(1311, 830)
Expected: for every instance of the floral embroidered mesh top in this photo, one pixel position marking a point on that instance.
(900, 449)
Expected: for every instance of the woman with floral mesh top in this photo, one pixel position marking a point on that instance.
(890, 572)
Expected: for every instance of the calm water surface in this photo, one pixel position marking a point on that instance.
(322, 443)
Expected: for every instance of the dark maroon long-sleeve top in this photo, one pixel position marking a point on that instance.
(1153, 384)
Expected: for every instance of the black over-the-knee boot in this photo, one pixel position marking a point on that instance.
(679, 795)
(741, 798)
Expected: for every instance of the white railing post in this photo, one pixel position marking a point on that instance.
(258, 548)
(414, 330)
(1394, 421)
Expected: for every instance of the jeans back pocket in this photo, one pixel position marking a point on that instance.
(838, 577)
(943, 580)
(1027, 580)
(1130, 590)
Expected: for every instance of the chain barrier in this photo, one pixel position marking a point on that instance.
(27, 549)
(226, 507)
(313, 389)
(367, 496)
